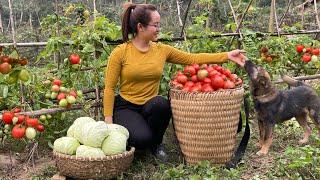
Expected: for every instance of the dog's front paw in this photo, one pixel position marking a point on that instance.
(262, 153)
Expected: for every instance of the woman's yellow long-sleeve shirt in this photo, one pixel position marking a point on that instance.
(140, 72)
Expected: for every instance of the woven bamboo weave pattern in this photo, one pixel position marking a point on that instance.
(206, 123)
(94, 168)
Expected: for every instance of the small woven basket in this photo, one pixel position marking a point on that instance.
(93, 168)
(206, 123)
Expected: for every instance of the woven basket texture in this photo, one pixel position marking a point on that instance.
(206, 123)
(93, 168)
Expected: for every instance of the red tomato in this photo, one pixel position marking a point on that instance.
(40, 128)
(32, 122)
(306, 58)
(16, 110)
(315, 51)
(218, 68)
(189, 70)
(217, 82)
(73, 93)
(196, 89)
(187, 88)
(207, 88)
(5, 68)
(18, 132)
(299, 48)
(228, 85)
(213, 73)
(238, 81)
(196, 66)
(7, 117)
(61, 96)
(74, 59)
(227, 72)
(209, 69)
(182, 79)
(189, 84)
(233, 77)
(204, 66)
(308, 49)
(194, 78)
(207, 80)
(21, 119)
(55, 88)
(57, 82)
(6, 59)
(179, 73)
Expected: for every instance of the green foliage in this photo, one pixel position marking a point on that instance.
(202, 170)
(301, 162)
(285, 59)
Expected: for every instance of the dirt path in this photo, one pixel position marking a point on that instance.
(19, 169)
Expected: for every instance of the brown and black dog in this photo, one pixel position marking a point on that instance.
(275, 106)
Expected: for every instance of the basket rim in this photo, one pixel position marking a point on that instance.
(238, 88)
(106, 158)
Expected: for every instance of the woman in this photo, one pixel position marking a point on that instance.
(139, 62)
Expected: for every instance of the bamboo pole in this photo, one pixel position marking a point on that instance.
(271, 17)
(12, 25)
(286, 12)
(179, 14)
(57, 110)
(240, 23)
(310, 77)
(185, 19)
(116, 42)
(275, 17)
(244, 14)
(316, 13)
(235, 19)
(94, 10)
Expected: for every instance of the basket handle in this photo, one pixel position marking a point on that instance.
(245, 138)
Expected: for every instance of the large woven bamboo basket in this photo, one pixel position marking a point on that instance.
(93, 168)
(206, 123)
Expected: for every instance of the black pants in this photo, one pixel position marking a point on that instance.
(146, 123)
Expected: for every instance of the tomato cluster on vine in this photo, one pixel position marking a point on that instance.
(20, 125)
(66, 97)
(308, 54)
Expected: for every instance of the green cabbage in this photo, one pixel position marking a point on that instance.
(83, 120)
(94, 133)
(87, 151)
(66, 145)
(119, 128)
(115, 143)
(78, 124)
(70, 132)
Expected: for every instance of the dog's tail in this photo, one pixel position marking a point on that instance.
(292, 82)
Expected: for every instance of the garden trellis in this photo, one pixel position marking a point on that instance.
(183, 36)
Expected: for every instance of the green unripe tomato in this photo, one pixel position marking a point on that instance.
(31, 133)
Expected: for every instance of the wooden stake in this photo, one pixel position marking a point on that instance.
(316, 12)
(185, 19)
(12, 24)
(275, 17)
(179, 15)
(284, 15)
